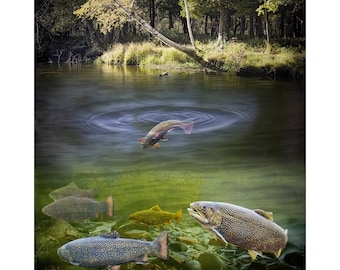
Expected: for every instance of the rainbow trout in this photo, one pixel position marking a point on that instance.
(159, 131)
(109, 250)
(74, 208)
(253, 230)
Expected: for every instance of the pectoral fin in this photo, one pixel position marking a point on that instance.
(164, 139)
(253, 254)
(114, 267)
(156, 146)
(278, 253)
(142, 259)
(219, 235)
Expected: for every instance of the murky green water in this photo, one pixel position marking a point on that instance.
(247, 148)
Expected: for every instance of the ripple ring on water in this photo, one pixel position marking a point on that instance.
(141, 119)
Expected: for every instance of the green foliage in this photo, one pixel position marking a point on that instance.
(269, 5)
(57, 15)
(274, 5)
(104, 13)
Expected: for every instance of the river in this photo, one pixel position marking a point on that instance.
(247, 148)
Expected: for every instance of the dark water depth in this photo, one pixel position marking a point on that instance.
(247, 148)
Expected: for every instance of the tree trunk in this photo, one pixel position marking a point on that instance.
(184, 24)
(223, 27)
(242, 25)
(189, 24)
(259, 28)
(190, 52)
(152, 12)
(251, 26)
(282, 24)
(266, 22)
(206, 25)
(171, 20)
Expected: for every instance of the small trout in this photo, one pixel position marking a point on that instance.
(155, 216)
(109, 250)
(253, 230)
(70, 190)
(74, 208)
(159, 131)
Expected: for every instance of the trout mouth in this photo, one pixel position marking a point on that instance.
(198, 215)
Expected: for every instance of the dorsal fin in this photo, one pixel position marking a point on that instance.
(72, 184)
(155, 208)
(267, 215)
(112, 234)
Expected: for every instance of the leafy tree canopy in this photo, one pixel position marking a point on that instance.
(104, 13)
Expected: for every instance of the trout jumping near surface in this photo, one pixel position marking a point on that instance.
(253, 230)
(159, 131)
(109, 250)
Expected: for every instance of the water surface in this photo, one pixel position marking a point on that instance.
(246, 148)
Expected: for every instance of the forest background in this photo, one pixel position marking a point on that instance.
(246, 37)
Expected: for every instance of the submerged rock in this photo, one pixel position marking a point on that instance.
(178, 246)
(210, 261)
(296, 259)
(192, 265)
(50, 237)
(138, 234)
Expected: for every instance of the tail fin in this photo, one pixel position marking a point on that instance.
(179, 215)
(188, 126)
(109, 206)
(161, 244)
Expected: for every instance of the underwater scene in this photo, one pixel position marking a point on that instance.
(186, 170)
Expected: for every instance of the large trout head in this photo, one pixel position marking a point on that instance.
(206, 213)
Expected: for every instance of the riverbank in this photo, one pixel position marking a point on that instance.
(240, 58)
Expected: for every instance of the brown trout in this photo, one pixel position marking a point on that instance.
(253, 230)
(155, 216)
(159, 131)
(109, 250)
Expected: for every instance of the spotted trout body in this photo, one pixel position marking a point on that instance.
(253, 230)
(109, 250)
(159, 131)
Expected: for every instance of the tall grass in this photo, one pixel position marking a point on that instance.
(146, 53)
(233, 57)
